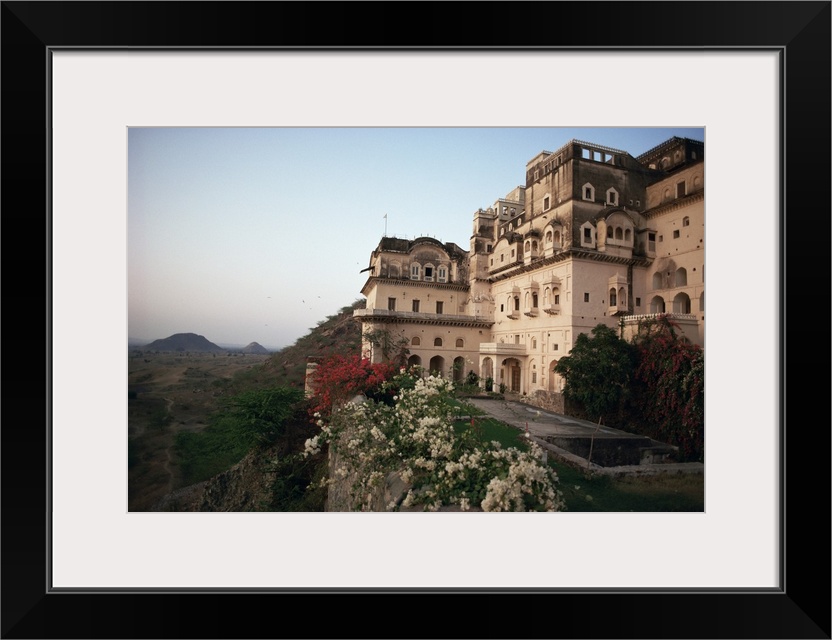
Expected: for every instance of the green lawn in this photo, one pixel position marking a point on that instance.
(584, 493)
(660, 492)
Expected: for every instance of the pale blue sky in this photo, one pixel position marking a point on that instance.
(255, 235)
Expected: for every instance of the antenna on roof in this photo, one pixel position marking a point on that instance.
(385, 225)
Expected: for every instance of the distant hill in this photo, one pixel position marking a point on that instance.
(184, 342)
(255, 347)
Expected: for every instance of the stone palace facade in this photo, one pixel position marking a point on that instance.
(595, 236)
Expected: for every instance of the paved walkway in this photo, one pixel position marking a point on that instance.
(542, 424)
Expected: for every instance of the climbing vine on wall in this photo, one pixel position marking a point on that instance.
(671, 372)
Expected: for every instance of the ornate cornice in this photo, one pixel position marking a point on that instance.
(420, 284)
(675, 204)
(574, 254)
(410, 317)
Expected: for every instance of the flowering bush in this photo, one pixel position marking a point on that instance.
(672, 372)
(415, 438)
(340, 378)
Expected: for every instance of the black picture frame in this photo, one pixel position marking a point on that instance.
(800, 31)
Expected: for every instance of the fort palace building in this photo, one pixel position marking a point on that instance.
(594, 236)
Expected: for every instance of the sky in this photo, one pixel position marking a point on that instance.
(257, 235)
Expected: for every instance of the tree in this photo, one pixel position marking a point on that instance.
(598, 372)
(261, 415)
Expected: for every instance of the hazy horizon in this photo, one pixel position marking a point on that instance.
(257, 235)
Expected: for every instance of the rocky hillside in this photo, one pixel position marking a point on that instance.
(339, 333)
(244, 487)
(189, 342)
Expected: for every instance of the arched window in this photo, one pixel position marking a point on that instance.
(628, 235)
(681, 303)
(555, 295)
(534, 245)
(685, 221)
(460, 343)
(622, 297)
(681, 277)
(657, 280)
(415, 271)
(546, 296)
(619, 234)
(613, 301)
(657, 305)
(557, 237)
(549, 237)
(534, 301)
(437, 342)
(416, 341)
(587, 235)
(588, 192)
(609, 231)
(528, 246)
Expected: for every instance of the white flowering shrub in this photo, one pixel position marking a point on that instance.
(415, 438)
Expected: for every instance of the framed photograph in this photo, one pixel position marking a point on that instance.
(755, 76)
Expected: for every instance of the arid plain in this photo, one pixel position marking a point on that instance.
(169, 393)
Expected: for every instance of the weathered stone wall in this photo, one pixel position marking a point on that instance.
(339, 496)
(549, 400)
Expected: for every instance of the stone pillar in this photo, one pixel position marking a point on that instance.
(311, 366)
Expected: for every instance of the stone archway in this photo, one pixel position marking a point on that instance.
(459, 369)
(437, 366)
(512, 374)
(555, 379)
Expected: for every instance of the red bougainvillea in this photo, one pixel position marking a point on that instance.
(340, 378)
(672, 372)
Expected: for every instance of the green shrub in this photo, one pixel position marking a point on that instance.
(253, 418)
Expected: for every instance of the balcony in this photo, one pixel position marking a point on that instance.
(552, 309)
(417, 316)
(532, 313)
(502, 349)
